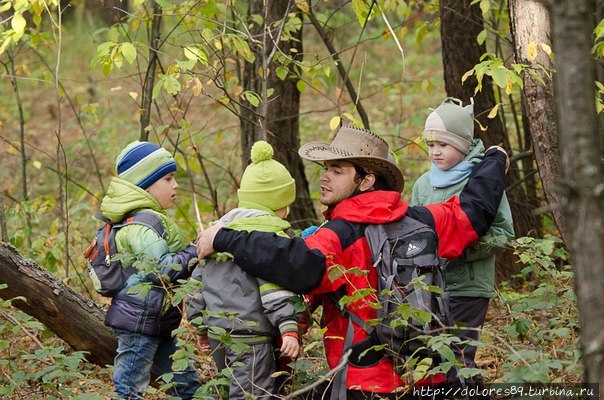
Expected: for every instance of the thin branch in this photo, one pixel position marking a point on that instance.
(147, 95)
(341, 365)
(335, 56)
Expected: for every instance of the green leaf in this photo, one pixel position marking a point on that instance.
(281, 73)
(157, 88)
(252, 98)
(163, 3)
(195, 54)
(482, 36)
(522, 326)
(500, 77)
(172, 85)
(301, 86)
(128, 51)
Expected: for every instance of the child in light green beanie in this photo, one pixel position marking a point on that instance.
(250, 310)
(470, 279)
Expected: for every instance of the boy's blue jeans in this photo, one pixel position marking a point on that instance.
(140, 355)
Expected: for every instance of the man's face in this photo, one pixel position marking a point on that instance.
(337, 182)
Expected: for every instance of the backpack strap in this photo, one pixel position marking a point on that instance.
(146, 218)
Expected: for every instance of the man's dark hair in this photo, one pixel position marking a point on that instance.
(380, 182)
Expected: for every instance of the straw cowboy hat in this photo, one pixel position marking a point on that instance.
(361, 147)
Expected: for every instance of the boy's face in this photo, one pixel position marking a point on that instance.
(164, 190)
(337, 182)
(444, 155)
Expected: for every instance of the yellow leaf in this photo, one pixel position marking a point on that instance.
(303, 6)
(218, 44)
(482, 128)
(334, 122)
(5, 7)
(134, 95)
(237, 91)
(531, 51)
(509, 88)
(197, 87)
(18, 24)
(546, 49)
(493, 112)
(37, 164)
(5, 43)
(467, 75)
(116, 88)
(25, 69)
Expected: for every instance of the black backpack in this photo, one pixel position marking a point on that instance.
(107, 274)
(411, 286)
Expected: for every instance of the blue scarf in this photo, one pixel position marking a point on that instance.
(453, 175)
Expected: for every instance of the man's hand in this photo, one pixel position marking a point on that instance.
(205, 240)
(202, 342)
(507, 158)
(290, 347)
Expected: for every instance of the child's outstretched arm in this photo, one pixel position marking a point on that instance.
(170, 267)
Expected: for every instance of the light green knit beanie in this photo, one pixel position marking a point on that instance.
(451, 123)
(266, 184)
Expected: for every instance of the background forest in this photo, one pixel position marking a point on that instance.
(206, 79)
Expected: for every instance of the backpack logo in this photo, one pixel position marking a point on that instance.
(415, 248)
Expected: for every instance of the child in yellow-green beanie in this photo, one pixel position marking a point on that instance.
(250, 310)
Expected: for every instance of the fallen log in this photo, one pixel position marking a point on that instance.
(72, 317)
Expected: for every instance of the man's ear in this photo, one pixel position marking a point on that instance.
(367, 183)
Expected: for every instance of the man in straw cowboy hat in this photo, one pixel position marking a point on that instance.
(360, 185)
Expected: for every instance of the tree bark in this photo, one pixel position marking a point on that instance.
(530, 23)
(73, 318)
(279, 123)
(582, 187)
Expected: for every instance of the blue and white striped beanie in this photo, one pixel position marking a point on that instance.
(144, 163)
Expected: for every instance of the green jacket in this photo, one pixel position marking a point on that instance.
(152, 314)
(472, 274)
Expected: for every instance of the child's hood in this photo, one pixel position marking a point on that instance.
(251, 219)
(476, 152)
(124, 197)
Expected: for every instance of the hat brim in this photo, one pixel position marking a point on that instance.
(322, 151)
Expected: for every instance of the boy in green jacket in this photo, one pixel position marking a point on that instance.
(143, 320)
(470, 279)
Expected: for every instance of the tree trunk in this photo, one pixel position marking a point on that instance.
(530, 24)
(277, 121)
(76, 320)
(460, 26)
(113, 10)
(581, 190)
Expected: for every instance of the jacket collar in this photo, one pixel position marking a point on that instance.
(375, 207)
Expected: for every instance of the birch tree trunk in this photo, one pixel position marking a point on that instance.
(530, 25)
(582, 186)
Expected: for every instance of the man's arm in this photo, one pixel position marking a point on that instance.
(461, 220)
(290, 263)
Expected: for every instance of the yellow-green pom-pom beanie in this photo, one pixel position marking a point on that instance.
(266, 184)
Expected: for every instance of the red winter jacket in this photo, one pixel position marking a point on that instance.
(311, 265)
